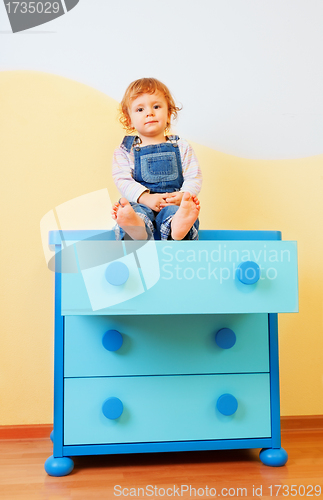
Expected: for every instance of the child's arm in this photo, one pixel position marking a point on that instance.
(191, 170)
(122, 173)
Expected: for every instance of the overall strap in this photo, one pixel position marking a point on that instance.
(129, 141)
(132, 140)
(173, 139)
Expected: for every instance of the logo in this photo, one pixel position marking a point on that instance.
(78, 242)
(26, 15)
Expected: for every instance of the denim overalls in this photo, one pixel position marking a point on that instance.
(158, 167)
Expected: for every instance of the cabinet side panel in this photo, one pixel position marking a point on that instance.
(274, 379)
(58, 360)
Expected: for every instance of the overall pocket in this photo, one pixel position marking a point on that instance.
(159, 167)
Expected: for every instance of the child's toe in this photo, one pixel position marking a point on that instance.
(186, 196)
(123, 202)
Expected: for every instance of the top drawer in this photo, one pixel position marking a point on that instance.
(180, 277)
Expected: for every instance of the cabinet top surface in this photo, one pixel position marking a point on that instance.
(56, 237)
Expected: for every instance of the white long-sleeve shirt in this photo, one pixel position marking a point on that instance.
(123, 169)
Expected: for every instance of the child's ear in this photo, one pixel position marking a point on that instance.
(168, 120)
(129, 124)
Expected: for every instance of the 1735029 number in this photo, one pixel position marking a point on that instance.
(33, 7)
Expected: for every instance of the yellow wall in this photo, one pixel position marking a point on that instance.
(57, 140)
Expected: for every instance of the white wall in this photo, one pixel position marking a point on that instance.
(248, 72)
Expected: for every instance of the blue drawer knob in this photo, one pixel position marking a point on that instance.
(112, 408)
(117, 273)
(112, 340)
(225, 338)
(248, 272)
(227, 404)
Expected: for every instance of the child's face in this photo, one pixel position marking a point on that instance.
(149, 115)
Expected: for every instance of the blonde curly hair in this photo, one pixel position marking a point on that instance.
(145, 86)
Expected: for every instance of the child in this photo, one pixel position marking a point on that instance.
(157, 175)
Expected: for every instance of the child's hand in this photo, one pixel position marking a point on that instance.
(154, 201)
(174, 198)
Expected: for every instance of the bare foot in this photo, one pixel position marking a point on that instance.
(185, 216)
(129, 220)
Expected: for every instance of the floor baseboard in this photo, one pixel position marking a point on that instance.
(302, 423)
(41, 431)
(35, 431)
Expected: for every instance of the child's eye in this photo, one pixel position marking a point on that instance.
(140, 109)
(156, 106)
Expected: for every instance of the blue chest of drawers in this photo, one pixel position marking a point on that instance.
(168, 346)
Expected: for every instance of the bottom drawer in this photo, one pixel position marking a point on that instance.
(166, 408)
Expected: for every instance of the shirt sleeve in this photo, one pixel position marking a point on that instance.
(122, 173)
(191, 170)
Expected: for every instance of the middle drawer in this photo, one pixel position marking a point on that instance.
(168, 344)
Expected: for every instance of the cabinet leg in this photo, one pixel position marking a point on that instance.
(274, 457)
(60, 466)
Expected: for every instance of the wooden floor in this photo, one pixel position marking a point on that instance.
(230, 474)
